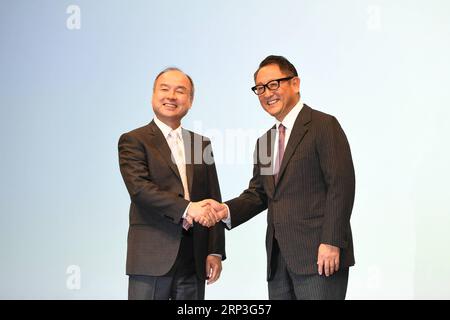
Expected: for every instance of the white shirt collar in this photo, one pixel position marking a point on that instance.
(165, 129)
(290, 118)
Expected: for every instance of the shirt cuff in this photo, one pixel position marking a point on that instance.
(185, 211)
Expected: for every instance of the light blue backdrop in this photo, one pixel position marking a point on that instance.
(69, 88)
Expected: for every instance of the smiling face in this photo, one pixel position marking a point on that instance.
(172, 97)
(280, 101)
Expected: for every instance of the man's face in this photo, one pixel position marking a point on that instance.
(172, 97)
(280, 101)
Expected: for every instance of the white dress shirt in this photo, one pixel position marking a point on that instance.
(166, 131)
(288, 123)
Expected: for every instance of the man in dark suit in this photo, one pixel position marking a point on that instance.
(166, 169)
(304, 175)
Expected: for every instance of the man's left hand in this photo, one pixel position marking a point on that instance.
(213, 268)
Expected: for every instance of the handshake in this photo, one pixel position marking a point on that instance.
(207, 212)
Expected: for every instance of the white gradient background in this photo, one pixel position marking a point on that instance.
(381, 67)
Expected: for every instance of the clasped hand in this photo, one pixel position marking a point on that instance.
(207, 212)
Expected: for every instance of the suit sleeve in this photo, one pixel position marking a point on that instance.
(337, 167)
(216, 244)
(143, 192)
(252, 201)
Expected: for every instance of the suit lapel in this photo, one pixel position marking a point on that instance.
(189, 157)
(298, 132)
(160, 142)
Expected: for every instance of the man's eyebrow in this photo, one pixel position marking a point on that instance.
(177, 87)
(260, 83)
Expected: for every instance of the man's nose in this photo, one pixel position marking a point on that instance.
(171, 95)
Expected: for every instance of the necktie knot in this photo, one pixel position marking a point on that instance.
(174, 135)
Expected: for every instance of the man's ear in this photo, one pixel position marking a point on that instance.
(296, 83)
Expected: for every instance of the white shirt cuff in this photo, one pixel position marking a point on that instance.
(186, 210)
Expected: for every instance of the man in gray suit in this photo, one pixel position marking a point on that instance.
(166, 169)
(303, 174)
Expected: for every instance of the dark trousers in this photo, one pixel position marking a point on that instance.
(286, 285)
(180, 283)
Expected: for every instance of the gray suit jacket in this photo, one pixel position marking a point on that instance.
(157, 200)
(313, 199)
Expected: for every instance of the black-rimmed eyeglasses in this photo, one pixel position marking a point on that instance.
(271, 85)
